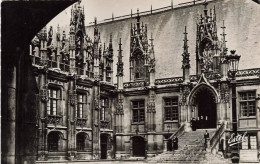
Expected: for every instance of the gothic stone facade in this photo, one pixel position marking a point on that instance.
(83, 115)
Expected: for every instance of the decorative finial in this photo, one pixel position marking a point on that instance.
(233, 52)
(185, 55)
(224, 39)
(120, 64)
(95, 20)
(151, 39)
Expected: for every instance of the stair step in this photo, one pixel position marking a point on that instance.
(191, 150)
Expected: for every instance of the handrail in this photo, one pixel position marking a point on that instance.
(216, 136)
(178, 132)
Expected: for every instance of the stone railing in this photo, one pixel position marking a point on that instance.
(52, 64)
(248, 72)
(135, 84)
(194, 78)
(165, 81)
(79, 71)
(54, 119)
(179, 132)
(36, 60)
(64, 67)
(213, 76)
(215, 139)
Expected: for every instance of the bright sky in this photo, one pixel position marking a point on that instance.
(103, 9)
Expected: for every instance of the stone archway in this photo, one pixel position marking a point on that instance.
(139, 146)
(204, 100)
(103, 145)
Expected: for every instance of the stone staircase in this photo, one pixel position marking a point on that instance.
(191, 150)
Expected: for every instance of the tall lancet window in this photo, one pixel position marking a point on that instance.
(139, 65)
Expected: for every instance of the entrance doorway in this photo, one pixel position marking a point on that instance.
(138, 146)
(207, 112)
(103, 145)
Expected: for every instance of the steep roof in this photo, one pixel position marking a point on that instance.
(242, 21)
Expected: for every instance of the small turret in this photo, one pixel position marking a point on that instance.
(186, 58)
(120, 67)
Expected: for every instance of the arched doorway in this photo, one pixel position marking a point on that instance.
(204, 98)
(138, 146)
(81, 141)
(103, 145)
(207, 112)
(54, 141)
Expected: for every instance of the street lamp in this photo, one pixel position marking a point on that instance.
(168, 128)
(233, 60)
(168, 138)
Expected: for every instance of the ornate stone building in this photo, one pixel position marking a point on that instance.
(82, 114)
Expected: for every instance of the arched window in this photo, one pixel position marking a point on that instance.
(81, 141)
(53, 141)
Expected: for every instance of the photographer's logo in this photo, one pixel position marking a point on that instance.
(233, 140)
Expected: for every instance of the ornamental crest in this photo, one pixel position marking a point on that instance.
(73, 98)
(224, 93)
(119, 107)
(185, 93)
(96, 103)
(151, 65)
(151, 104)
(44, 94)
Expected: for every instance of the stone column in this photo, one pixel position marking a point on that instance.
(71, 119)
(9, 115)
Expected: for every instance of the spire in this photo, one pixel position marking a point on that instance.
(138, 22)
(214, 14)
(185, 47)
(185, 55)
(50, 33)
(44, 33)
(206, 10)
(95, 27)
(224, 48)
(120, 63)
(131, 33)
(104, 49)
(152, 47)
(110, 47)
(58, 33)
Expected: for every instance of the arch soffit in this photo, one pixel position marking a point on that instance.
(86, 136)
(60, 134)
(139, 137)
(202, 83)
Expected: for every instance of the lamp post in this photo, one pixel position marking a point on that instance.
(168, 139)
(168, 128)
(233, 60)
